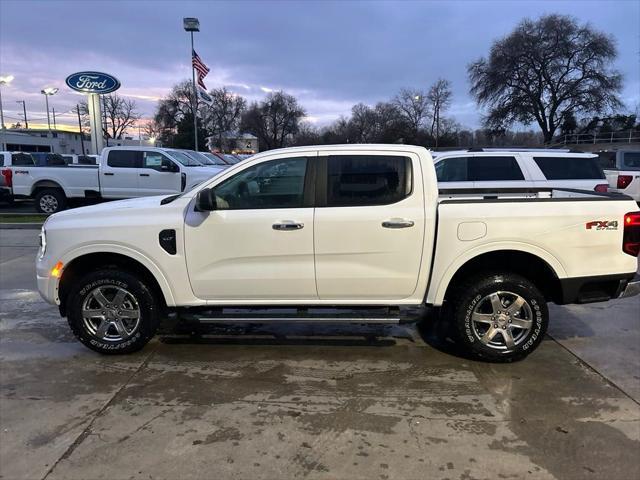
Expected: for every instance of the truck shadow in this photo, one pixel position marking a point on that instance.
(294, 334)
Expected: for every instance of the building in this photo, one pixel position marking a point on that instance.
(56, 141)
(234, 142)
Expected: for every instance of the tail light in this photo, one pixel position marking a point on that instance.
(8, 177)
(631, 235)
(602, 188)
(624, 180)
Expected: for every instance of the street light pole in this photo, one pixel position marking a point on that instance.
(191, 25)
(24, 109)
(3, 81)
(47, 92)
(46, 101)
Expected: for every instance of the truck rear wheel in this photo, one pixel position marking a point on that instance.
(112, 311)
(499, 316)
(50, 200)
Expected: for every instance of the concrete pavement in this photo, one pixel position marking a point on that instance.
(293, 401)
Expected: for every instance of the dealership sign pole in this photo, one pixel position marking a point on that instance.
(94, 84)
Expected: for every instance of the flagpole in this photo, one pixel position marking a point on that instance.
(195, 99)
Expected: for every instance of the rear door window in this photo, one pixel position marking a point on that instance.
(124, 159)
(358, 180)
(569, 168)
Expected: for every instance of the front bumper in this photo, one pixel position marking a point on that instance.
(48, 289)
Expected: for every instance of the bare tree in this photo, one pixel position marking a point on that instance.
(544, 70)
(274, 120)
(223, 115)
(120, 114)
(439, 97)
(414, 106)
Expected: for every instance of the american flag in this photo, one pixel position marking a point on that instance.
(200, 67)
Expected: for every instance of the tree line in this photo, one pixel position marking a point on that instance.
(553, 73)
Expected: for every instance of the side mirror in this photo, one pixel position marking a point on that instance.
(206, 200)
(169, 166)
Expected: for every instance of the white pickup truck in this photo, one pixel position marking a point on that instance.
(121, 172)
(346, 227)
(622, 168)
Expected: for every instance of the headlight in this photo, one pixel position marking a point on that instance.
(43, 241)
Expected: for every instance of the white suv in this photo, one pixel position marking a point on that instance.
(519, 168)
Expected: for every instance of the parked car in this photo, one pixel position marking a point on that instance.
(344, 227)
(216, 158)
(205, 159)
(122, 172)
(519, 168)
(622, 169)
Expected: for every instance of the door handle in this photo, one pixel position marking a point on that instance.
(287, 225)
(144, 174)
(398, 223)
(109, 174)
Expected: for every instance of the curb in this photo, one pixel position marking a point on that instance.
(20, 226)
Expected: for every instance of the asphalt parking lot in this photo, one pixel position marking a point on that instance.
(294, 401)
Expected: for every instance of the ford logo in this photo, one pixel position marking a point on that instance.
(92, 82)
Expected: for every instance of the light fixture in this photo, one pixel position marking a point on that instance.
(191, 24)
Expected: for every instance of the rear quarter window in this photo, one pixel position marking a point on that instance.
(570, 168)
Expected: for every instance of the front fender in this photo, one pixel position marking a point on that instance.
(157, 273)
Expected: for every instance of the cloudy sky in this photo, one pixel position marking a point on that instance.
(330, 54)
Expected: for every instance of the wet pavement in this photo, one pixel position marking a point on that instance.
(294, 401)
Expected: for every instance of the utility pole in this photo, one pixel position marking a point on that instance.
(80, 127)
(54, 118)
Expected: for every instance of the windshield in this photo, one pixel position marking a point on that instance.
(197, 156)
(184, 159)
(214, 159)
(231, 159)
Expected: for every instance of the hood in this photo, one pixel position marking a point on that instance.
(205, 172)
(117, 206)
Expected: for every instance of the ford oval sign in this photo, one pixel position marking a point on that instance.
(92, 82)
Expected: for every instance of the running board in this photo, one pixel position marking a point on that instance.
(293, 314)
(385, 320)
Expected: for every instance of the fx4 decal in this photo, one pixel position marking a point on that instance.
(602, 225)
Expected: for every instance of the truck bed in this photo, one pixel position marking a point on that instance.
(76, 180)
(561, 226)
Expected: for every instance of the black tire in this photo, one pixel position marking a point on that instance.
(138, 296)
(50, 200)
(471, 307)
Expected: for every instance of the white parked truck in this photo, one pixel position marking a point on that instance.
(622, 168)
(349, 227)
(121, 172)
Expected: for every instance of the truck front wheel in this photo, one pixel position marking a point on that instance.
(112, 311)
(499, 316)
(50, 200)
